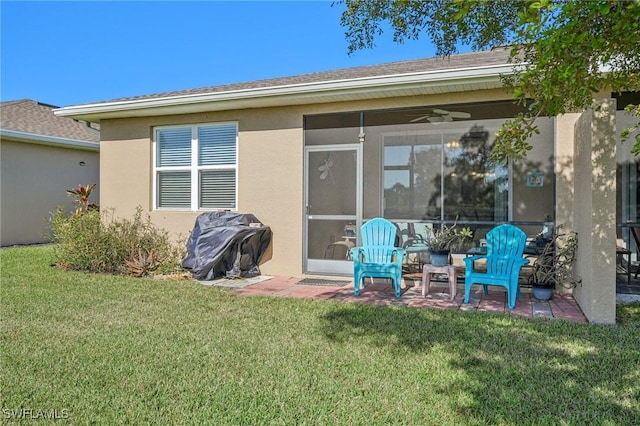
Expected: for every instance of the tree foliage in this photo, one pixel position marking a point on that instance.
(572, 49)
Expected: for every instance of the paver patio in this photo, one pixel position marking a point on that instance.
(381, 293)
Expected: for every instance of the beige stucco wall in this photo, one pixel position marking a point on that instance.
(595, 211)
(270, 152)
(565, 174)
(565, 169)
(34, 179)
(270, 167)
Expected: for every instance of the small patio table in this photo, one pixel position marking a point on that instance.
(429, 269)
(420, 253)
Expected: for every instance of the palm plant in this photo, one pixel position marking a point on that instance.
(554, 267)
(447, 237)
(80, 196)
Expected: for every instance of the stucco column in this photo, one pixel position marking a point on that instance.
(565, 169)
(595, 211)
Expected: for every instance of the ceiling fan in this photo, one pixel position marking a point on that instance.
(325, 168)
(440, 115)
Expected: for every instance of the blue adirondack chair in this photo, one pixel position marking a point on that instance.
(378, 257)
(505, 245)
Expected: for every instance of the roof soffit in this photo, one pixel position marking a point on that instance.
(16, 136)
(376, 87)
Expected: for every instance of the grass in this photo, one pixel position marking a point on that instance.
(102, 349)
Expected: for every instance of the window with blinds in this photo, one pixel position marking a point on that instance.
(195, 167)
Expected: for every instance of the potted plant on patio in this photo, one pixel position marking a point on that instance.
(441, 241)
(554, 266)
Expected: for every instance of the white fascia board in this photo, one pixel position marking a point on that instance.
(48, 140)
(333, 87)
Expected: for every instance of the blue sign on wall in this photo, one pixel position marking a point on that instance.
(535, 179)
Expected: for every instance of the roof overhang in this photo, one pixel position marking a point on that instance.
(365, 88)
(12, 135)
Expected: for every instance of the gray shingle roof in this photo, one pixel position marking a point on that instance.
(497, 56)
(29, 116)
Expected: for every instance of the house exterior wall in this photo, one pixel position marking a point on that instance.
(34, 179)
(271, 180)
(585, 202)
(594, 212)
(270, 167)
(565, 169)
(270, 151)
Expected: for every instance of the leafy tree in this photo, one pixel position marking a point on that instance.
(573, 48)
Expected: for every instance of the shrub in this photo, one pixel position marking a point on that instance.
(97, 242)
(77, 237)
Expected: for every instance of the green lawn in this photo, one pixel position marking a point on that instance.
(101, 349)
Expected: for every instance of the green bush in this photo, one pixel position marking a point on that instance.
(96, 242)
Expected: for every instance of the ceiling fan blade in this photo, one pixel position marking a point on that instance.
(436, 119)
(459, 114)
(441, 111)
(415, 120)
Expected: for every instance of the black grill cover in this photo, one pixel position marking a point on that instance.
(226, 244)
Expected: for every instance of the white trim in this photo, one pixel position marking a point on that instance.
(193, 168)
(326, 266)
(154, 172)
(49, 140)
(206, 123)
(293, 92)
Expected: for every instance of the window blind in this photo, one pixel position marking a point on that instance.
(174, 147)
(217, 145)
(174, 189)
(218, 189)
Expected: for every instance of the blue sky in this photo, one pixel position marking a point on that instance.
(66, 53)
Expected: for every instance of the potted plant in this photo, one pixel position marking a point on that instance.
(554, 266)
(441, 241)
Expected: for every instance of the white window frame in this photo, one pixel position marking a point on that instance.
(194, 168)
